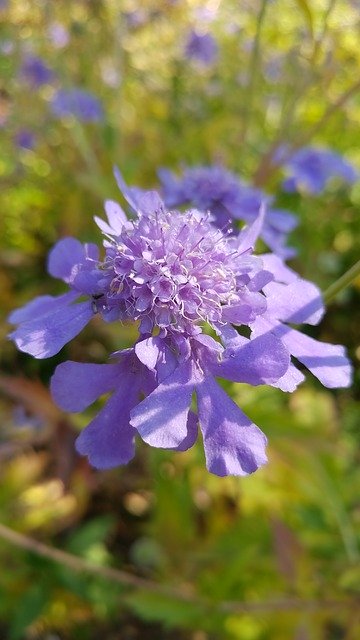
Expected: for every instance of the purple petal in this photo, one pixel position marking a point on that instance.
(68, 256)
(248, 236)
(276, 266)
(233, 444)
(192, 433)
(327, 362)
(45, 336)
(161, 419)
(297, 302)
(149, 202)
(116, 219)
(148, 351)
(291, 380)
(41, 306)
(76, 385)
(262, 360)
(109, 439)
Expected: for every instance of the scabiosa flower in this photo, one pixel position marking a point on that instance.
(171, 272)
(35, 72)
(80, 104)
(311, 168)
(174, 274)
(201, 47)
(222, 193)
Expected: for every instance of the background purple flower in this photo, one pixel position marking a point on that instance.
(201, 47)
(221, 192)
(78, 103)
(311, 168)
(25, 139)
(35, 72)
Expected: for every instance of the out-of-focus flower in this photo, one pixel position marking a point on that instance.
(201, 47)
(136, 19)
(78, 103)
(35, 72)
(311, 168)
(228, 199)
(25, 139)
(173, 273)
(58, 35)
(109, 73)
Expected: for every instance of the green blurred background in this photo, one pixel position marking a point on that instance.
(270, 556)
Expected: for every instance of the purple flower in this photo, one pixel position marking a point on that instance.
(58, 35)
(35, 72)
(173, 273)
(311, 168)
(222, 193)
(25, 139)
(78, 103)
(201, 47)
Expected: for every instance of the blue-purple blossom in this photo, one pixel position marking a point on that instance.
(58, 35)
(175, 274)
(35, 72)
(310, 169)
(78, 103)
(25, 139)
(201, 47)
(221, 192)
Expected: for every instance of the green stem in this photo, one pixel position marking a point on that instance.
(252, 72)
(343, 282)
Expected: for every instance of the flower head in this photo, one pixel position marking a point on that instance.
(78, 103)
(311, 169)
(35, 72)
(228, 199)
(201, 47)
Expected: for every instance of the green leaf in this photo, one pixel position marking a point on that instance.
(153, 607)
(90, 534)
(28, 609)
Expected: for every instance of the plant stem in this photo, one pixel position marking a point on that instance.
(252, 72)
(344, 281)
(122, 577)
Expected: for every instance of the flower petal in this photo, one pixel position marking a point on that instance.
(68, 256)
(76, 385)
(192, 433)
(233, 444)
(109, 439)
(161, 419)
(45, 336)
(41, 306)
(327, 362)
(299, 301)
(262, 360)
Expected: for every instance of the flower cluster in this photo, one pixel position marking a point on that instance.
(188, 285)
(221, 192)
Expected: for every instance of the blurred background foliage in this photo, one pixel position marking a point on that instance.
(274, 555)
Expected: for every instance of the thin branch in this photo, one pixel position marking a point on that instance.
(124, 578)
(84, 566)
